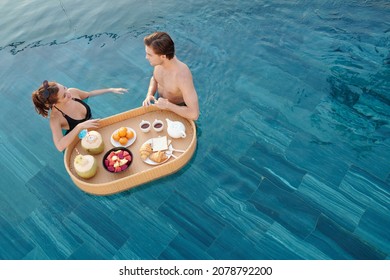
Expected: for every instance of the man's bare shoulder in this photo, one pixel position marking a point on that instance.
(184, 71)
(157, 69)
(182, 65)
(157, 73)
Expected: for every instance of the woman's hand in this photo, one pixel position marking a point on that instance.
(119, 90)
(93, 123)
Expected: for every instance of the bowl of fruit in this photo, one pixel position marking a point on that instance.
(117, 159)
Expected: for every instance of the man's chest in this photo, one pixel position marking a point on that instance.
(167, 82)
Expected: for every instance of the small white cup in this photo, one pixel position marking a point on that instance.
(158, 125)
(144, 126)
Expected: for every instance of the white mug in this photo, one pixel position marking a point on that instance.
(144, 126)
(158, 125)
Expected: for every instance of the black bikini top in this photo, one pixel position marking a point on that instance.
(72, 122)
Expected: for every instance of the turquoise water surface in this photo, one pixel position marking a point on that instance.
(293, 143)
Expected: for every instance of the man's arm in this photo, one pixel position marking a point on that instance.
(151, 91)
(190, 97)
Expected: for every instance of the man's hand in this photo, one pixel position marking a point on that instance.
(149, 100)
(162, 103)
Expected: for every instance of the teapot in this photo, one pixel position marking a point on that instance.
(176, 129)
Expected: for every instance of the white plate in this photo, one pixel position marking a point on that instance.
(151, 162)
(117, 144)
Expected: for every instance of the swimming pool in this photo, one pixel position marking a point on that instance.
(293, 147)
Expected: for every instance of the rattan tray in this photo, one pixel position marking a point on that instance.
(139, 172)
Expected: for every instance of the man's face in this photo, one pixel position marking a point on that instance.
(154, 59)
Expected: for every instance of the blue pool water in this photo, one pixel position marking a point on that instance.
(293, 147)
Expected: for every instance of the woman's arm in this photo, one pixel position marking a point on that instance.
(106, 90)
(62, 142)
(85, 94)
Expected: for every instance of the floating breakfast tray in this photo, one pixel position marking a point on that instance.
(139, 172)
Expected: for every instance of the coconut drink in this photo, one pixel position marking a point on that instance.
(93, 143)
(85, 166)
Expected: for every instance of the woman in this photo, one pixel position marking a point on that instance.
(67, 110)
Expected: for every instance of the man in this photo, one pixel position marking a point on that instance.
(172, 79)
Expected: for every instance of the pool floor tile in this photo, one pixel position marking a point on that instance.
(14, 243)
(148, 231)
(273, 166)
(193, 222)
(55, 192)
(232, 244)
(182, 248)
(50, 234)
(330, 202)
(342, 240)
(374, 228)
(286, 208)
(240, 182)
(226, 209)
(92, 220)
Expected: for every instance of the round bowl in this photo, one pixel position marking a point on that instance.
(117, 159)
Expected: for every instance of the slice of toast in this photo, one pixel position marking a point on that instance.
(160, 143)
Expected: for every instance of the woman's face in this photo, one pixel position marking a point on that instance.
(63, 94)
